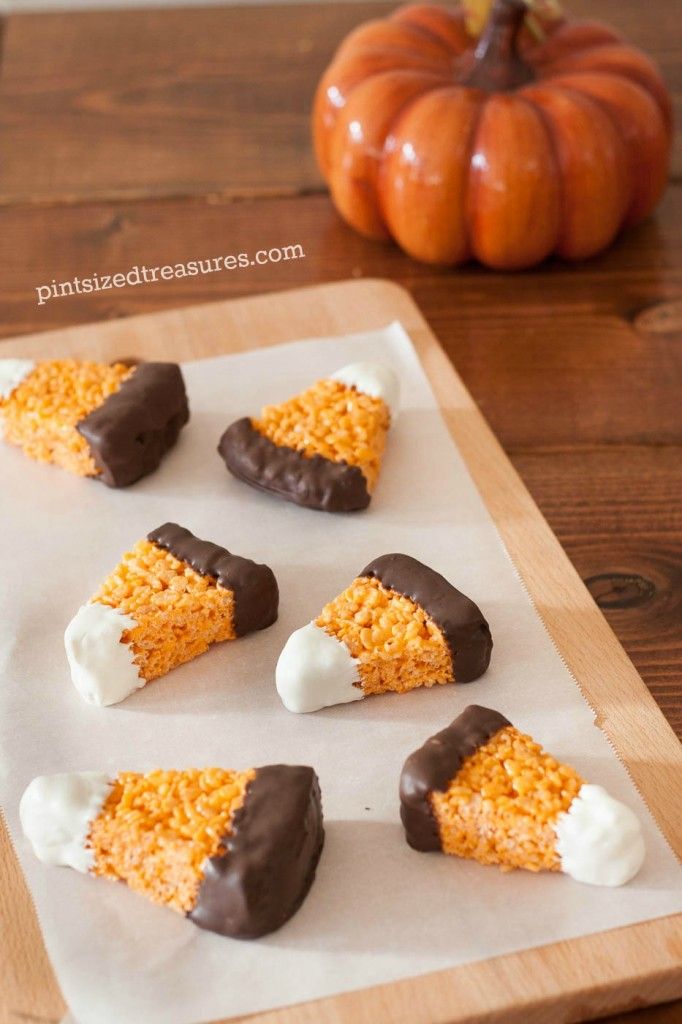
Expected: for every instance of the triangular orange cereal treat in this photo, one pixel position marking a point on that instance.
(234, 851)
(323, 448)
(112, 422)
(398, 626)
(166, 602)
(482, 790)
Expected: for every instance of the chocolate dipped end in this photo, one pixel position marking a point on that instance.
(270, 857)
(131, 431)
(435, 765)
(466, 631)
(313, 482)
(256, 594)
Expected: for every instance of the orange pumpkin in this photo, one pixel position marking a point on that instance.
(504, 149)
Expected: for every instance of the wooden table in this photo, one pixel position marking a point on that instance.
(153, 137)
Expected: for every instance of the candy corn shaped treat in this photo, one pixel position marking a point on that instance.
(323, 448)
(235, 852)
(166, 602)
(112, 422)
(399, 625)
(483, 790)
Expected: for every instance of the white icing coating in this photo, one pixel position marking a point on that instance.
(102, 667)
(57, 812)
(599, 839)
(374, 379)
(12, 372)
(315, 671)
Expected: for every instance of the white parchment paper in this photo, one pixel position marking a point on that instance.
(378, 911)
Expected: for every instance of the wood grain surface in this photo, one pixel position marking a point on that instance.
(164, 135)
(184, 102)
(567, 981)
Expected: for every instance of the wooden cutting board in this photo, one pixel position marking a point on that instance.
(567, 981)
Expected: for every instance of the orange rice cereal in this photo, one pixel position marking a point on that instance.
(113, 422)
(482, 790)
(235, 852)
(398, 626)
(323, 448)
(167, 601)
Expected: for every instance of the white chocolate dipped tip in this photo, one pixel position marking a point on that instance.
(599, 839)
(102, 666)
(57, 812)
(12, 372)
(315, 670)
(373, 379)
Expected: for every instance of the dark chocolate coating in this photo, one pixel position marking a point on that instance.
(270, 856)
(314, 482)
(434, 766)
(466, 632)
(256, 595)
(131, 431)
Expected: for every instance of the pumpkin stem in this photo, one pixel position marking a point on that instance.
(498, 66)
